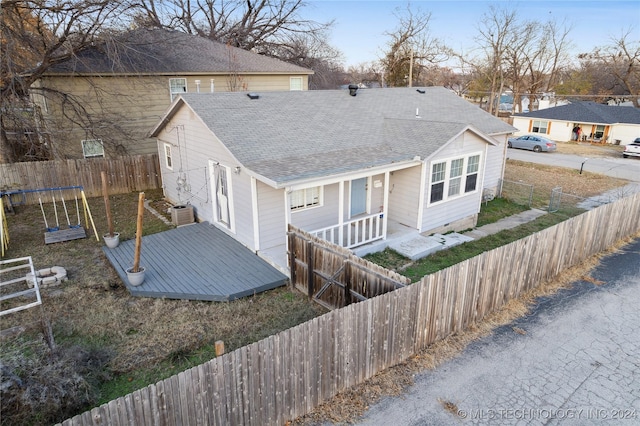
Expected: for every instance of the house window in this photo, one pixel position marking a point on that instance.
(437, 181)
(304, 198)
(92, 148)
(599, 132)
(448, 178)
(539, 126)
(177, 86)
(168, 159)
(473, 165)
(295, 83)
(455, 176)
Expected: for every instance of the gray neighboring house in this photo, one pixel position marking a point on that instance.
(598, 123)
(342, 167)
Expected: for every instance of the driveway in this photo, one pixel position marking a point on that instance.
(574, 360)
(624, 168)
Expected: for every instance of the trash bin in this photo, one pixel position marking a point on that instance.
(617, 141)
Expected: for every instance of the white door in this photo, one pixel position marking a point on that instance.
(222, 195)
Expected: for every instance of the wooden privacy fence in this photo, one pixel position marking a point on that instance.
(288, 374)
(332, 275)
(125, 174)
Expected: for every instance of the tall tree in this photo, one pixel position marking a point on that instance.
(411, 49)
(258, 25)
(622, 58)
(36, 35)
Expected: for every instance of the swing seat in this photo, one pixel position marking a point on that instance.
(64, 235)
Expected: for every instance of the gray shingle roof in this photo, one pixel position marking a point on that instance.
(158, 51)
(288, 136)
(588, 112)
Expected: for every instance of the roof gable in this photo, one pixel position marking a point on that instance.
(289, 136)
(588, 112)
(159, 51)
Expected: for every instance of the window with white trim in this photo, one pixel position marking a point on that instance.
(177, 86)
(92, 148)
(471, 180)
(448, 178)
(539, 126)
(295, 83)
(305, 198)
(168, 159)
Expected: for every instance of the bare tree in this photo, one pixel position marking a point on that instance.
(622, 59)
(35, 36)
(258, 25)
(411, 50)
(496, 27)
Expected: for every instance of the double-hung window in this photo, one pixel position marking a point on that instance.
(473, 166)
(168, 159)
(454, 177)
(295, 83)
(92, 148)
(305, 198)
(177, 86)
(539, 126)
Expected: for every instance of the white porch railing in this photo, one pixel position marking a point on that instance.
(353, 233)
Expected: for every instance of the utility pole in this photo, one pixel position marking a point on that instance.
(411, 69)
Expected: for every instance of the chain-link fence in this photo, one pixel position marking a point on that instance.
(516, 192)
(567, 203)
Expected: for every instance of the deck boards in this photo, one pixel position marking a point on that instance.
(196, 262)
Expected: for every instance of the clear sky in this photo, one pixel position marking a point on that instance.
(360, 24)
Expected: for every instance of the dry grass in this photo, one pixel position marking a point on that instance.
(590, 150)
(348, 407)
(144, 339)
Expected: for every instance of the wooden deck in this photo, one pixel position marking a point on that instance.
(196, 262)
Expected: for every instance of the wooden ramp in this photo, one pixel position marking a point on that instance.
(196, 262)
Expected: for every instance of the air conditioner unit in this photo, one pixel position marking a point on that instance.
(182, 215)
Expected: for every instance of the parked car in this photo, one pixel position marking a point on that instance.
(533, 143)
(633, 149)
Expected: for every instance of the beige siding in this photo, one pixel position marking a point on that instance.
(124, 109)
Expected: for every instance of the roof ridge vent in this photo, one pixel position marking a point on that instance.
(353, 88)
(253, 95)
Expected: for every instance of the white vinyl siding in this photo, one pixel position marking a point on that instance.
(404, 195)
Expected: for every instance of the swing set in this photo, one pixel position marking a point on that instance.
(55, 232)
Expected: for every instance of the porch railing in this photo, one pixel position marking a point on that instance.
(353, 233)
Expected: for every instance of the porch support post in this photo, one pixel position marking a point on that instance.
(341, 212)
(385, 204)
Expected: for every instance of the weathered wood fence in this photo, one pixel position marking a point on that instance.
(288, 374)
(332, 276)
(125, 174)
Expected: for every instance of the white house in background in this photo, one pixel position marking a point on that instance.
(342, 165)
(598, 123)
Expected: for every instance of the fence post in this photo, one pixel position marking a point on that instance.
(347, 282)
(310, 247)
(292, 258)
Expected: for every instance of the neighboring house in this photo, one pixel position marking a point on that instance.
(338, 166)
(598, 123)
(103, 101)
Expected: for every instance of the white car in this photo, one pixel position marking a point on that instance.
(633, 149)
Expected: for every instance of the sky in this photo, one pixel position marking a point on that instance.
(360, 25)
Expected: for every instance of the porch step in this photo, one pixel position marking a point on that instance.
(421, 246)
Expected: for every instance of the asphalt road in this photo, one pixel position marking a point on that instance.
(574, 360)
(624, 168)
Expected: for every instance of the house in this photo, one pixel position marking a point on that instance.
(342, 165)
(103, 101)
(598, 123)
